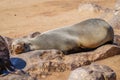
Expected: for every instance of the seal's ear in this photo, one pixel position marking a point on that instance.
(34, 34)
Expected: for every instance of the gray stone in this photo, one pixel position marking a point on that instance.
(93, 72)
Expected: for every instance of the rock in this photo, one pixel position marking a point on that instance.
(85, 58)
(17, 76)
(5, 63)
(117, 5)
(94, 9)
(8, 41)
(93, 72)
(117, 40)
(89, 7)
(41, 63)
(115, 20)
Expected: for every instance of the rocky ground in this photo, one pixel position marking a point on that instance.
(20, 18)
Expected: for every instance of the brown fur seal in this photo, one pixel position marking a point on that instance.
(88, 34)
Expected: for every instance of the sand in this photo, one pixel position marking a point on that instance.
(22, 17)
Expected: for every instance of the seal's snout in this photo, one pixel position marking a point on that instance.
(17, 49)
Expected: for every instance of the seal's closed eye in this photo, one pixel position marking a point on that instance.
(27, 47)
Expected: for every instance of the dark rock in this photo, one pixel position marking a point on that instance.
(5, 63)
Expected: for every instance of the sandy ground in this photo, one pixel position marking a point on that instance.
(21, 17)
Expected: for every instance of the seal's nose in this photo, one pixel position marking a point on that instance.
(17, 49)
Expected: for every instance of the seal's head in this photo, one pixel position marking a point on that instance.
(18, 46)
